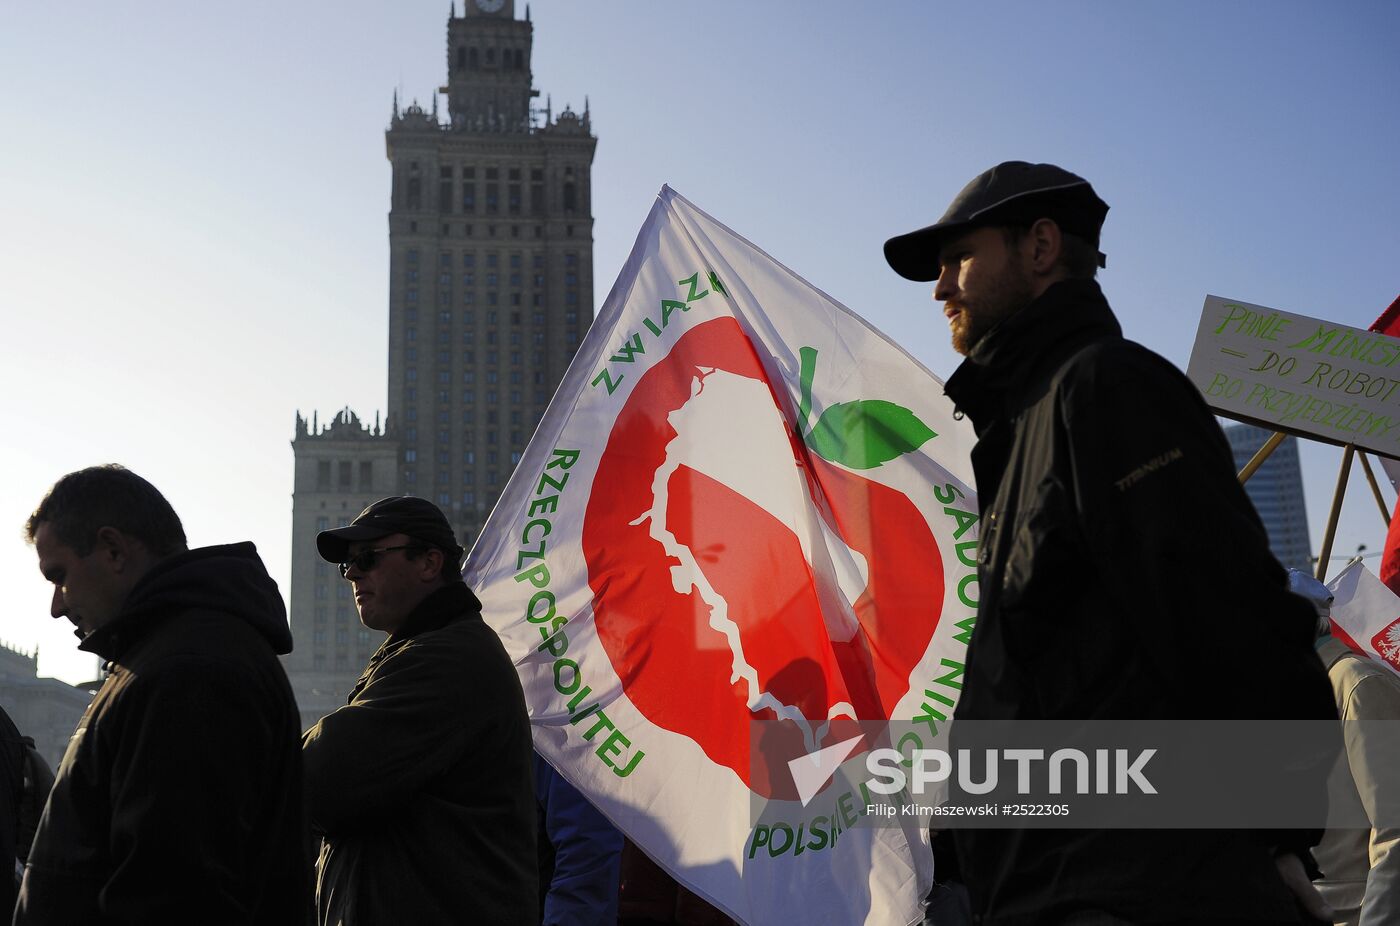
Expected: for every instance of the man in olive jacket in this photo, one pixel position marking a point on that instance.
(179, 797)
(421, 784)
(1094, 457)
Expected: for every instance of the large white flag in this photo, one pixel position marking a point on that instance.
(744, 522)
(1367, 614)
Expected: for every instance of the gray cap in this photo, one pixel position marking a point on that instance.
(1012, 193)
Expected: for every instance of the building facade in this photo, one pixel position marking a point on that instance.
(339, 469)
(1276, 489)
(490, 291)
(46, 709)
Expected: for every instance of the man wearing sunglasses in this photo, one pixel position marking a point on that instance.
(420, 785)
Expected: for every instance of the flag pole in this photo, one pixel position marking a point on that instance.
(1375, 489)
(1257, 461)
(1347, 452)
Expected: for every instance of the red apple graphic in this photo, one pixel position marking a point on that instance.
(773, 653)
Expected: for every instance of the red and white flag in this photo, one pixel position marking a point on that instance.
(1366, 615)
(745, 522)
(1388, 323)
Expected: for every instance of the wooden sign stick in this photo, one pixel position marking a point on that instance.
(1331, 534)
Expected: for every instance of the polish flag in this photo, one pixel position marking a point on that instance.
(1389, 324)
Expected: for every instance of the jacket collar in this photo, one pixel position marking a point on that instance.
(1066, 316)
(451, 602)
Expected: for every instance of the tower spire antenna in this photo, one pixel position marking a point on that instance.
(396, 102)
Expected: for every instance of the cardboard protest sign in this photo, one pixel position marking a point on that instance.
(1297, 374)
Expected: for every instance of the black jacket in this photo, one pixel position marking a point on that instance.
(421, 784)
(179, 797)
(11, 799)
(1116, 546)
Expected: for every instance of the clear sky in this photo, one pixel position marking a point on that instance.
(193, 243)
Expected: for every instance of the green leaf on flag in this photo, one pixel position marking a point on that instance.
(866, 433)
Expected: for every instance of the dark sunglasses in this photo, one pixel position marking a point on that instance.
(366, 560)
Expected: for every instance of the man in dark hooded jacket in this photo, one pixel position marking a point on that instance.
(1093, 454)
(179, 797)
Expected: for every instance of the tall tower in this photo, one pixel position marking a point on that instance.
(491, 265)
(490, 290)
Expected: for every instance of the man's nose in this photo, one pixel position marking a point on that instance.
(946, 286)
(59, 606)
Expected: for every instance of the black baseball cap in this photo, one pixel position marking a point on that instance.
(398, 514)
(1012, 193)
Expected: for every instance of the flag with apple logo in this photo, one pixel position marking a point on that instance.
(743, 531)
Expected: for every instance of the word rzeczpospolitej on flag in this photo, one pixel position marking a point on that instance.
(1366, 615)
(744, 523)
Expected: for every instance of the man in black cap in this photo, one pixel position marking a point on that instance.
(420, 785)
(1091, 452)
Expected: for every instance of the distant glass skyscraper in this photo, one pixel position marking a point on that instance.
(1277, 492)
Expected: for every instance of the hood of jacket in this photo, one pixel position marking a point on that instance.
(230, 579)
(1067, 316)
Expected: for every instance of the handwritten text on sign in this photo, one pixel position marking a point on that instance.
(1299, 374)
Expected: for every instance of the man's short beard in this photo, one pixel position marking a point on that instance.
(1009, 293)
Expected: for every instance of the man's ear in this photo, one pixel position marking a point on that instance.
(1043, 244)
(115, 548)
(432, 563)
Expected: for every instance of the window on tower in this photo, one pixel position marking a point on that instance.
(445, 189)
